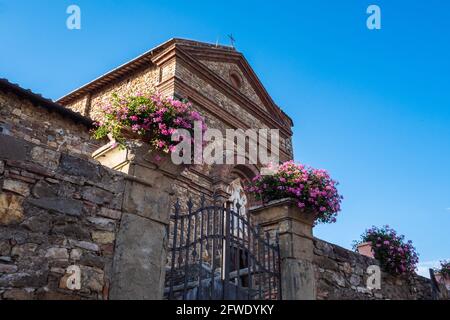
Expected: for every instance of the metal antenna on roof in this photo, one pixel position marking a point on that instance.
(232, 40)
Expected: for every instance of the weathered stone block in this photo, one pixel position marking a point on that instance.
(342, 254)
(13, 148)
(153, 203)
(294, 246)
(42, 189)
(45, 157)
(72, 230)
(78, 167)
(298, 282)
(60, 205)
(97, 196)
(139, 259)
(57, 254)
(323, 248)
(11, 209)
(38, 223)
(18, 187)
(7, 268)
(326, 263)
(24, 250)
(84, 245)
(92, 260)
(24, 279)
(334, 278)
(103, 237)
(103, 223)
(92, 279)
(110, 213)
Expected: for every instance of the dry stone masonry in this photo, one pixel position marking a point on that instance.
(342, 274)
(53, 215)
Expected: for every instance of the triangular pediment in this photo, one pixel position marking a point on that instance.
(230, 65)
(232, 73)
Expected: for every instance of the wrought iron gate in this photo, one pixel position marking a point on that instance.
(216, 253)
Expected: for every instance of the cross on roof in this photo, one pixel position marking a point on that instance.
(232, 39)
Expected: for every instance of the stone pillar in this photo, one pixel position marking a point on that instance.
(141, 243)
(296, 246)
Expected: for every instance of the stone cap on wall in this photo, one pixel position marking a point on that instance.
(274, 203)
(282, 209)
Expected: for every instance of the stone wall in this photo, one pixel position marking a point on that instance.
(144, 81)
(314, 269)
(342, 274)
(56, 210)
(22, 119)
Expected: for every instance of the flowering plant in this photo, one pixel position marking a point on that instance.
(152, 117)
(395, 256)
(313, 189)
(444, 269)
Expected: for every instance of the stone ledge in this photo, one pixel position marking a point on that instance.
(273, 203)
(282, 210)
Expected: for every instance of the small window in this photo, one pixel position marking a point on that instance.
(235, 80)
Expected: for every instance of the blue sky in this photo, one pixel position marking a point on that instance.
(372, 107)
